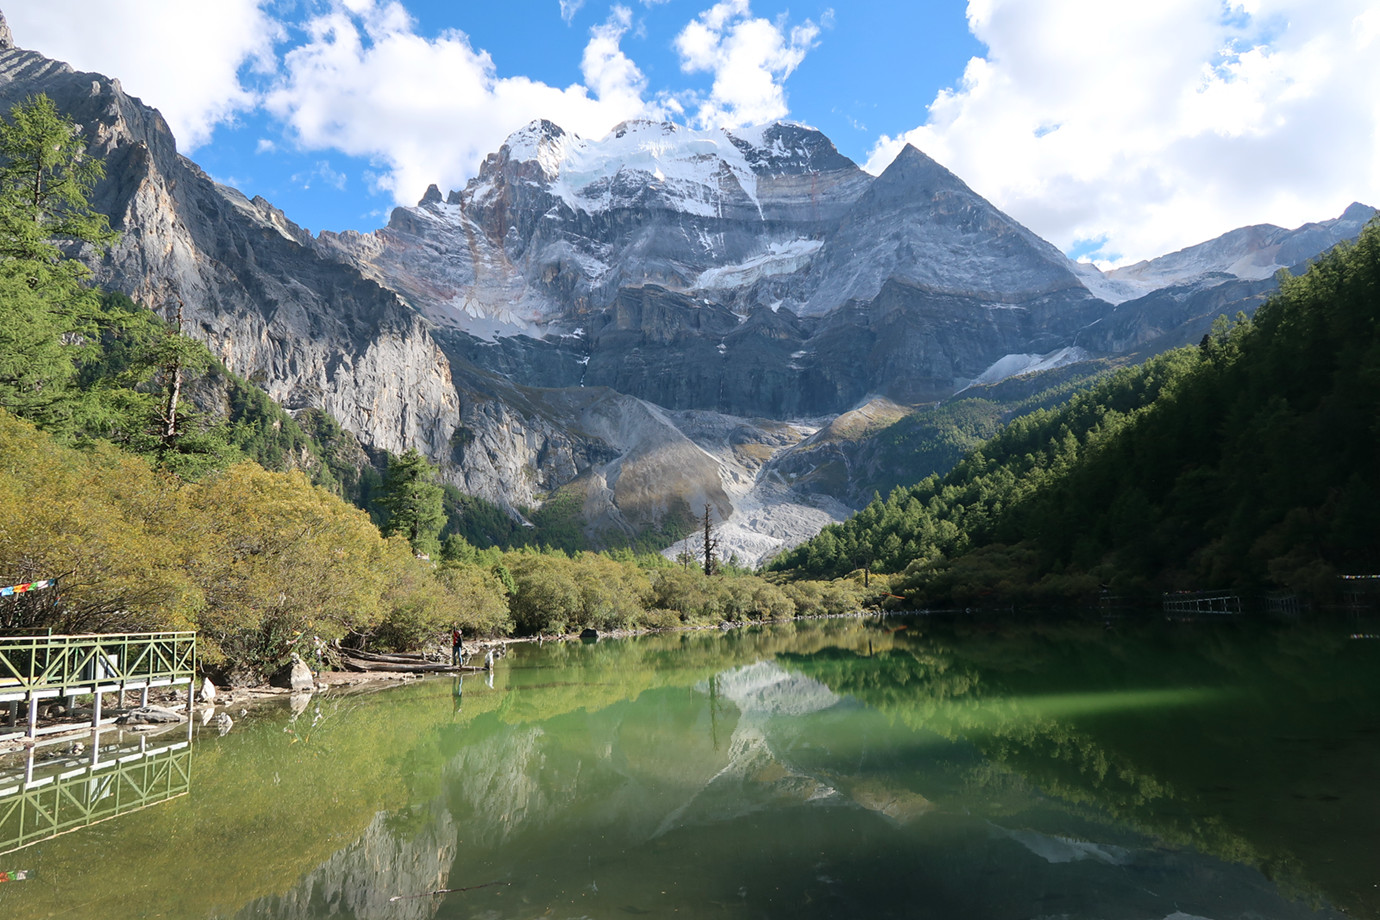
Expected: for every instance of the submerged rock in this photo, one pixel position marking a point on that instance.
(149, 715)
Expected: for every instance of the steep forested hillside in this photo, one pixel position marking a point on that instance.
(1252, 459)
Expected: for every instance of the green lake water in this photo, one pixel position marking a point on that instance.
(909, 768)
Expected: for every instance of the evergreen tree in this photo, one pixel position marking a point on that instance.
(46, 312)
(412, 502)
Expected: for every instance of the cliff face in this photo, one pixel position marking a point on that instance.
(311, 331)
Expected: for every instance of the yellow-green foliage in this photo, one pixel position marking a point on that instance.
(262, 563)
(698, 598)
(258, 562)
(423, 602)
(282, 558)
(104, 523)
(559, 594)
(824, 598)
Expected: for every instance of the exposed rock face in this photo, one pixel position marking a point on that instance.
(1189, 289)
(918, 224)
(311, 331)
(554, 226)
(1247, 254)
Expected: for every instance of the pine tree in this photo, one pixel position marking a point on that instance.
(47, 313)
(412, 502)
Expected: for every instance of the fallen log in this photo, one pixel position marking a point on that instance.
(394, 657)
(364, 664)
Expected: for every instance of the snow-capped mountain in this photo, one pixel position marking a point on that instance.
(555, 225)
(772, 273)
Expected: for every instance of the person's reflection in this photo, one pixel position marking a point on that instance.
(457, 691)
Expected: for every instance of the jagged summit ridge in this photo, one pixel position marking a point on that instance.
(555, 225)
(663, 152)
(699, 172)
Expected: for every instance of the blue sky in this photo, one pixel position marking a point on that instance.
(1117, 131)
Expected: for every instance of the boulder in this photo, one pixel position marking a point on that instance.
(208, 691)
(295, 676)
(301, 679)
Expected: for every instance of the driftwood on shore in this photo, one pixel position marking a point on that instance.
(358, 660)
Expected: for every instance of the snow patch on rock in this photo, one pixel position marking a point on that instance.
(695, 169)
(1016, 365)
(782, 258)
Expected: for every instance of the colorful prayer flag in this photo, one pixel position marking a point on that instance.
(25, 588)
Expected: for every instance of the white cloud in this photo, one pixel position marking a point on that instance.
(569, 8)
(191, 76)
(428, 110)
(1156, 126)
(750, 59)
(608, 72)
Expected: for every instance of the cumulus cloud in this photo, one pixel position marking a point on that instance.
(750, 59)
(193, 78)
(429, 109)
(1131, 130)
(609, 73)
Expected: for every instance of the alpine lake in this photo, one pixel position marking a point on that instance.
(907, 767)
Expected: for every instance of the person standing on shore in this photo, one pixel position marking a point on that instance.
(457, 647)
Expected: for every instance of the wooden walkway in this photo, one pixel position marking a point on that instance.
(45, 667)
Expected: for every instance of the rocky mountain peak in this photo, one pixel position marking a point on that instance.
(915, 176)
(541, 142)
(1253, 253)
(786, 148)
(1358, 212)
(579, 315)
(432, 196)
(920, 224)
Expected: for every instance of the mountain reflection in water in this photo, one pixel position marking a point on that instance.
(830, 769)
